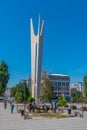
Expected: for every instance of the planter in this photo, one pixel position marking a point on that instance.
(66, 106)
(84, 108)
(73, 107)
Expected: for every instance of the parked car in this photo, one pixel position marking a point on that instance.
(2, 98)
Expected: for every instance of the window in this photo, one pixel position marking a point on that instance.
(63, 84)
(55, 88)
(55, 93)
(67, 84)
(67, 93)
(59, 88)
(67, 88)
(59, 84)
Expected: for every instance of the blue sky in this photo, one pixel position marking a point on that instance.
(65, 39)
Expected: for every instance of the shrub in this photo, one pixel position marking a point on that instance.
(19, 96)
(61, 101)
(30, 99)
(85, 100)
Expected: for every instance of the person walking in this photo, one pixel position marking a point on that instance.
(5, 104)
(12, 107)
(33, 107)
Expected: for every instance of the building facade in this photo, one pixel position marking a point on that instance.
(28, 83)
(79, 86)
(7, 92)
(61, 84)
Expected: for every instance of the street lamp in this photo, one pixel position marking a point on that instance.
(82, 105)
(17, 102)
(24, 81)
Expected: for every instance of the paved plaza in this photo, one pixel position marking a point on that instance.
(14, 121)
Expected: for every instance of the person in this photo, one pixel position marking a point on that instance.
(54, 106)
(33, 107)
(12, 107)
(5, 104)
(30, 107)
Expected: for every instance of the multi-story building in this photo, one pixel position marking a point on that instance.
(28, 82)
(61, 84)
(7, 92)
(78, 87)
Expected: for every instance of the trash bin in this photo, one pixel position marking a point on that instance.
(69, 111)
(22, 112)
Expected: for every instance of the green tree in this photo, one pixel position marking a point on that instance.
(85, 85)
(76, 95)
(46, 89)
(30, 93)
(19, 96)
(20, 88)
(4, 77)
(13, 91)
(30, 99)
(62, 101)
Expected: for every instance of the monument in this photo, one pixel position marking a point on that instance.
(36, 57)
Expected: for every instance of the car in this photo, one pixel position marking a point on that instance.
(2, 98)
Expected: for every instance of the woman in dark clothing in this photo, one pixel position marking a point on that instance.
(5, 104)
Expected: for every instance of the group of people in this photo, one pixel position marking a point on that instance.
(31, 106)
(11, 105)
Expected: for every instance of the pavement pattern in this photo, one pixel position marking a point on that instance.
(14, 121)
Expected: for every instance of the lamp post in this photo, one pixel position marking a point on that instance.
(82, 105)
(24, 81)
(24, 99)
(17, 102)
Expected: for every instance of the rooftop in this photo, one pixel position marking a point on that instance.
(58, 75)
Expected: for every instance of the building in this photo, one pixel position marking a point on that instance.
(61, 84)
(7, 92)
(79, 86)
(28, 83)
(36, 58)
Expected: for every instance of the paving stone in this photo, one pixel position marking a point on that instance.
(14, 121)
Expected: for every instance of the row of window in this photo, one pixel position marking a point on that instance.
(60, 83)
(59, 94)
(61, 88)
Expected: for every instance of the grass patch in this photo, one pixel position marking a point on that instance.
(50, 115)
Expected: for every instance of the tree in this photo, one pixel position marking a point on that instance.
(46, 89)
(85, 85)
(76, 95)
(30, 99)
(62, 101)
(13, 91)
(20, 88)
(30, 93)
(19, 96)
(4, 77)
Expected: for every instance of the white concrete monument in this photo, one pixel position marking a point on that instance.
(36, 58)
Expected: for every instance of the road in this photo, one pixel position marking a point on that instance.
(14, 121)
